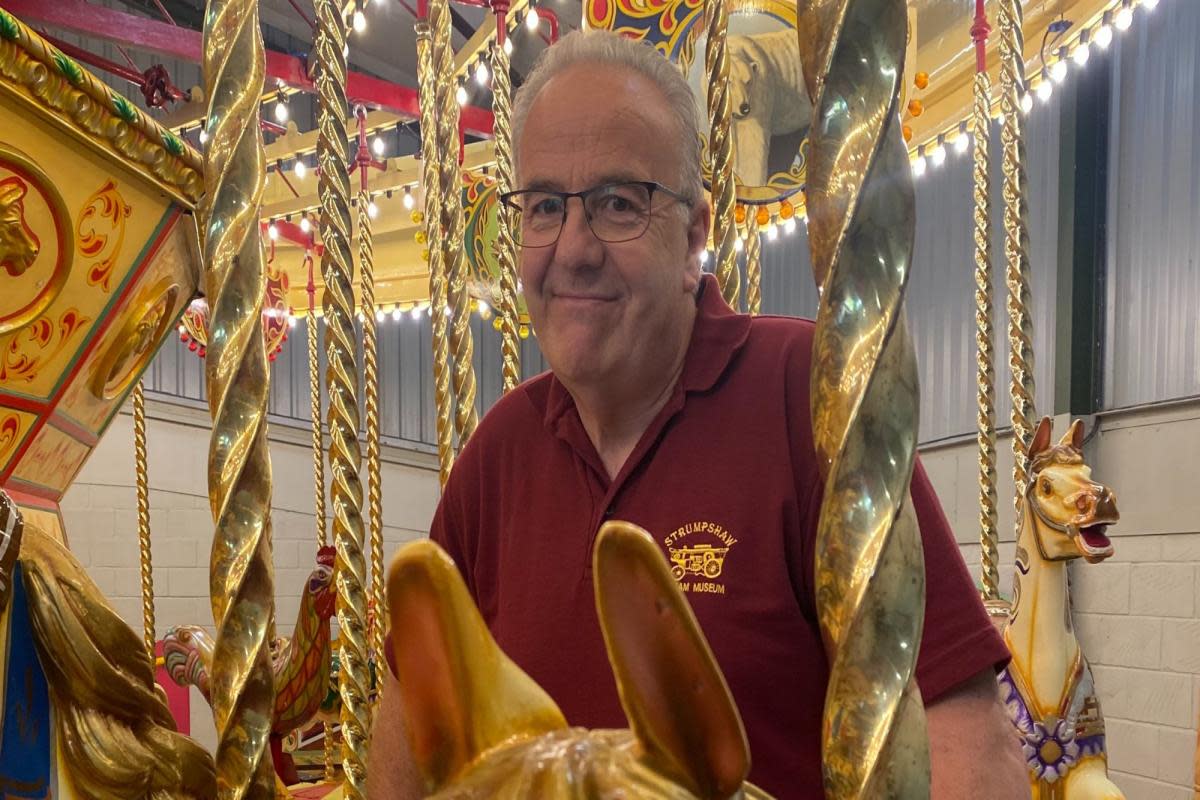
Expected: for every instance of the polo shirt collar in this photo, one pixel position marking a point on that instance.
(717, 335)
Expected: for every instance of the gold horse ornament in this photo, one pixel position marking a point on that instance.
(479, 727)
(1048, 688)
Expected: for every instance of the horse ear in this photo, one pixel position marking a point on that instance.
(460, 693)
(11, 190)
(1074, 436)
(673, 693)
(1041, 437)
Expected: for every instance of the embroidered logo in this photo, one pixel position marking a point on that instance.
(695, 562)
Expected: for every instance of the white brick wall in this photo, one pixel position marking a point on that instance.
(1136, 614)
(100, 513)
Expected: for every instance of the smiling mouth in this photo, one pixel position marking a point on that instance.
(1096, 546)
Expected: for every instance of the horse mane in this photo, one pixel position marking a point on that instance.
(1059, 455)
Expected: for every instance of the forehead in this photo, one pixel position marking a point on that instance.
(598, 122)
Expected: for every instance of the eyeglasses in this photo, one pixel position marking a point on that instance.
(616, 212)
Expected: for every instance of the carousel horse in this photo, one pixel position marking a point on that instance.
(81, 704)
(1048, 688)
(301, 663)
(479, 727)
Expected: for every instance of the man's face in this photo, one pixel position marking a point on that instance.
(599, 308)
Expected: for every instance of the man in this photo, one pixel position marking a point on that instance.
(666, 409)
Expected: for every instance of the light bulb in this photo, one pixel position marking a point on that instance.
(301, 169)
(408, 199)
(532, 20)
(461, 96)
(396, 315)
(1124, 18)
(415, 313)
(305, 225)
(1059, 71)
(281, 112)
(345, 50)
(789, 226)
(1026, 102)
(379, 315)
(772, 233)
(481, 74)
(919, 166)
(203, 136)
(508, 45)
(378, 146)
(1149, 5)
(938, 155)
(738, 245)
(272, 231)
(1044, 90)
(291, 322)
(1104, 36)
(1082, 52)
(484, 308)
(962, 143)
(360, 21)
(703, 257)
(372, 210)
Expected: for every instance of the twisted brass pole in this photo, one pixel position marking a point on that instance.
(985, 374)
(366, 274)
(1016, 243)
(720, 148)
(143, 506)
(870, 586)
(430, 158)
(753, 265)
(239, 463)
(341, 378)
(506, 255)
(451, 240)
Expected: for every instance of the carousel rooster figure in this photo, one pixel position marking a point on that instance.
(1048, 688)
(301, 663)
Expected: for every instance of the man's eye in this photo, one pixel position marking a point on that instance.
(549, 205)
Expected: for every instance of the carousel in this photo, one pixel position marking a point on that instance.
(124, 224)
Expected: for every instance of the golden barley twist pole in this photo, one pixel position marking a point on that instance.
(506, 249)
(366, 274)
(753, 265)
(341, 378)
(1016, 242)
(870, 585)
(720, 148)
(451, 221)
(143, 508)
(443, 399)
(239, 464)
(985, 374)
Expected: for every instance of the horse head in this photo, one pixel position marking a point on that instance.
(480, 727)
(19, 246)
(187, 656)
(1071, 511)
(320, 584)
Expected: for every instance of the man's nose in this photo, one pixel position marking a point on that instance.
(576, 241)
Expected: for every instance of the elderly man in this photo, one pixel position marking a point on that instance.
(665, 408)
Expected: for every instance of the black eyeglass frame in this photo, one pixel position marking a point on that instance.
(509, 199)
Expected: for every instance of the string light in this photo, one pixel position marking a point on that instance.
(481, 74)
(919, 165)
(939, 152)
(483, 307)
(203, 135)
(408, 199)
(703, 257)
(372, 210)
(789, 225)
(772, 232)
(963, 140)
(378, 146)
(272, 232)
(291, 321)
(1059, 70)
(301, 169)
(1104, 34)
(1082, 51)
(281, 110)
(415, 313)
(508, 47)
(397, 315)
(305, 225)
(532, 19)
(360, 21)
(1124, 17)
(1026, 102)
(738, 245)
(1046, 88)
(461, 95)
(379, 315)
(1149, 5)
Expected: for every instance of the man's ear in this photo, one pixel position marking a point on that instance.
(699, 224)
(460, 693)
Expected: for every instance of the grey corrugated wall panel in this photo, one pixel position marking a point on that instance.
(1152, 326)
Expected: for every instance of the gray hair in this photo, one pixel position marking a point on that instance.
(607, 49)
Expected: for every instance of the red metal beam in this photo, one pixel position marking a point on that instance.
(159, 37)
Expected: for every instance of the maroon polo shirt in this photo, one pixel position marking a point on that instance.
(725, 479)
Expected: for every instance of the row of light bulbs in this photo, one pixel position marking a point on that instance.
(306, 224)
(1119, 18)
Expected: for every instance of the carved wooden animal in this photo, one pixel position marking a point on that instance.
(19, 246)
(1048, 689)
(766, 89)
(479, 727)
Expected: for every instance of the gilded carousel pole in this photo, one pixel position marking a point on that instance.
(142, 473)
(239, 464)
(506, 248)
(870, 584)
(451, 226)
(438, 290)
(753, 266)
(985, 374)
(1016, 244)
(720, 148)
(345, 457)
